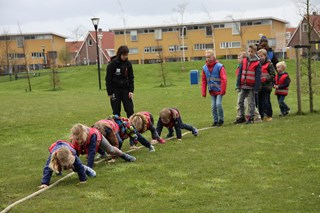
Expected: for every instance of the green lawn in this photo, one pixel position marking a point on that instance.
(265, 167)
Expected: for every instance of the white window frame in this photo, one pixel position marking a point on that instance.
(158, 34)
(134, 35)
(236, 28)
(230, 44)
(133, 50)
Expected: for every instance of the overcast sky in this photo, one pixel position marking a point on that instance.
(64, 16)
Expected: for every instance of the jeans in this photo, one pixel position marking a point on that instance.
(283, 106)
(264, 103)
(217, 110)
(247, 93)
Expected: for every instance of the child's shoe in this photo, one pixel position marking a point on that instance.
(214, 124)
(151, 148)
(268, 119)
(89, 172)
(250, 120)
(128, 157)
(195, 132)
(161, 140)
(220, 123)
(240, 120)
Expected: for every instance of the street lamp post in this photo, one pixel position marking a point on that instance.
(95, 22)
(183, 51)
(100, 35)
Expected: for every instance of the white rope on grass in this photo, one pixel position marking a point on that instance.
(8, 208)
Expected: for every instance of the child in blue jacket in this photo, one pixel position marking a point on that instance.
(63, 156)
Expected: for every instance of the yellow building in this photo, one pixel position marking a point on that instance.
(18, 52)
(150, 44)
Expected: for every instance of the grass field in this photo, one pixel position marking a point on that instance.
(265, 167)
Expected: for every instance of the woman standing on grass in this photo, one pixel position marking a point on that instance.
(120, 83)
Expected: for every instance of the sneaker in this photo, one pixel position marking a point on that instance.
(250, 121)
(195, 132)
(151, 148)
(161, 140)
(240, 120)
(169, 135)
(89, 172)
(220, 123)
(128, 157)
(214, 124)
(268, 119)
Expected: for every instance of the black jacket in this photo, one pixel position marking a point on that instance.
(119, 76)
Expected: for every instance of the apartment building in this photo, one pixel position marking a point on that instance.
(32, 50)
(187, 42)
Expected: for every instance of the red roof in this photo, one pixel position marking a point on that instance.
(73, 46)
(290, 30)
(315, 21)
(107, 41)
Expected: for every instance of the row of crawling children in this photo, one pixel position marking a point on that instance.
(105, 137)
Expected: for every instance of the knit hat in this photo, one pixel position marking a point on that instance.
(263, 39)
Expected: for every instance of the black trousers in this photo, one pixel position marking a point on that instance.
(121, 95)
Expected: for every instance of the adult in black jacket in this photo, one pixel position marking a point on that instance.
(120, 82)
(263, 44)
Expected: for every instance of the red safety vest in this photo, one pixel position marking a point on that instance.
(147, 115)
(174, 114)
(84, 148)
(264, 72)
(283, 91)
(248, 77)
(60, 141)
(110, 123)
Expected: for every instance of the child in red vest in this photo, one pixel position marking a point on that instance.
(241, 56)
(89, 140)
(144, 121)
(215, 79)
(282, 82)
(170, 118)
(127, 130)
(248, 83)
(267, 77)
(64, 156)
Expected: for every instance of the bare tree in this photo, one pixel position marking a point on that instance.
(305, 8)
(159, 51)
(64, 56)
(210, 19)
(181, 8)
(6, 50)
(239, 30)
(123, 17)
(23, 45)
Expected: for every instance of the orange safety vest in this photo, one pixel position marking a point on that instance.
(84, 148)
(110, 123)
(283, 91)
(248, 77)
(264, 72)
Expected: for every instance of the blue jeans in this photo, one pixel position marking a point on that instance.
(217, 110)
(283, 106)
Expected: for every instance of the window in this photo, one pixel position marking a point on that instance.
(208, 31)
(90, 42)
(236, 28)
(305, 27)
(173, 48)
(20, 41)
(183, 32)
(272, 42)
(152, 49)
(158, 34)
(203, 46)
(249, 42)
(134, 35)
(37, 55)
(233, 44)
(15, 55)
(133, 50)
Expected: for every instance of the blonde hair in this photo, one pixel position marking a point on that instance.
(79, 133)
(283, 64)
(262, 51)
(139, 121)
(62, 158)
(111, 137)
(210, 51)
(243, 54)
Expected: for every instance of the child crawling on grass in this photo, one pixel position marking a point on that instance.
(63, 156)
(171, 118)
(88, 141)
